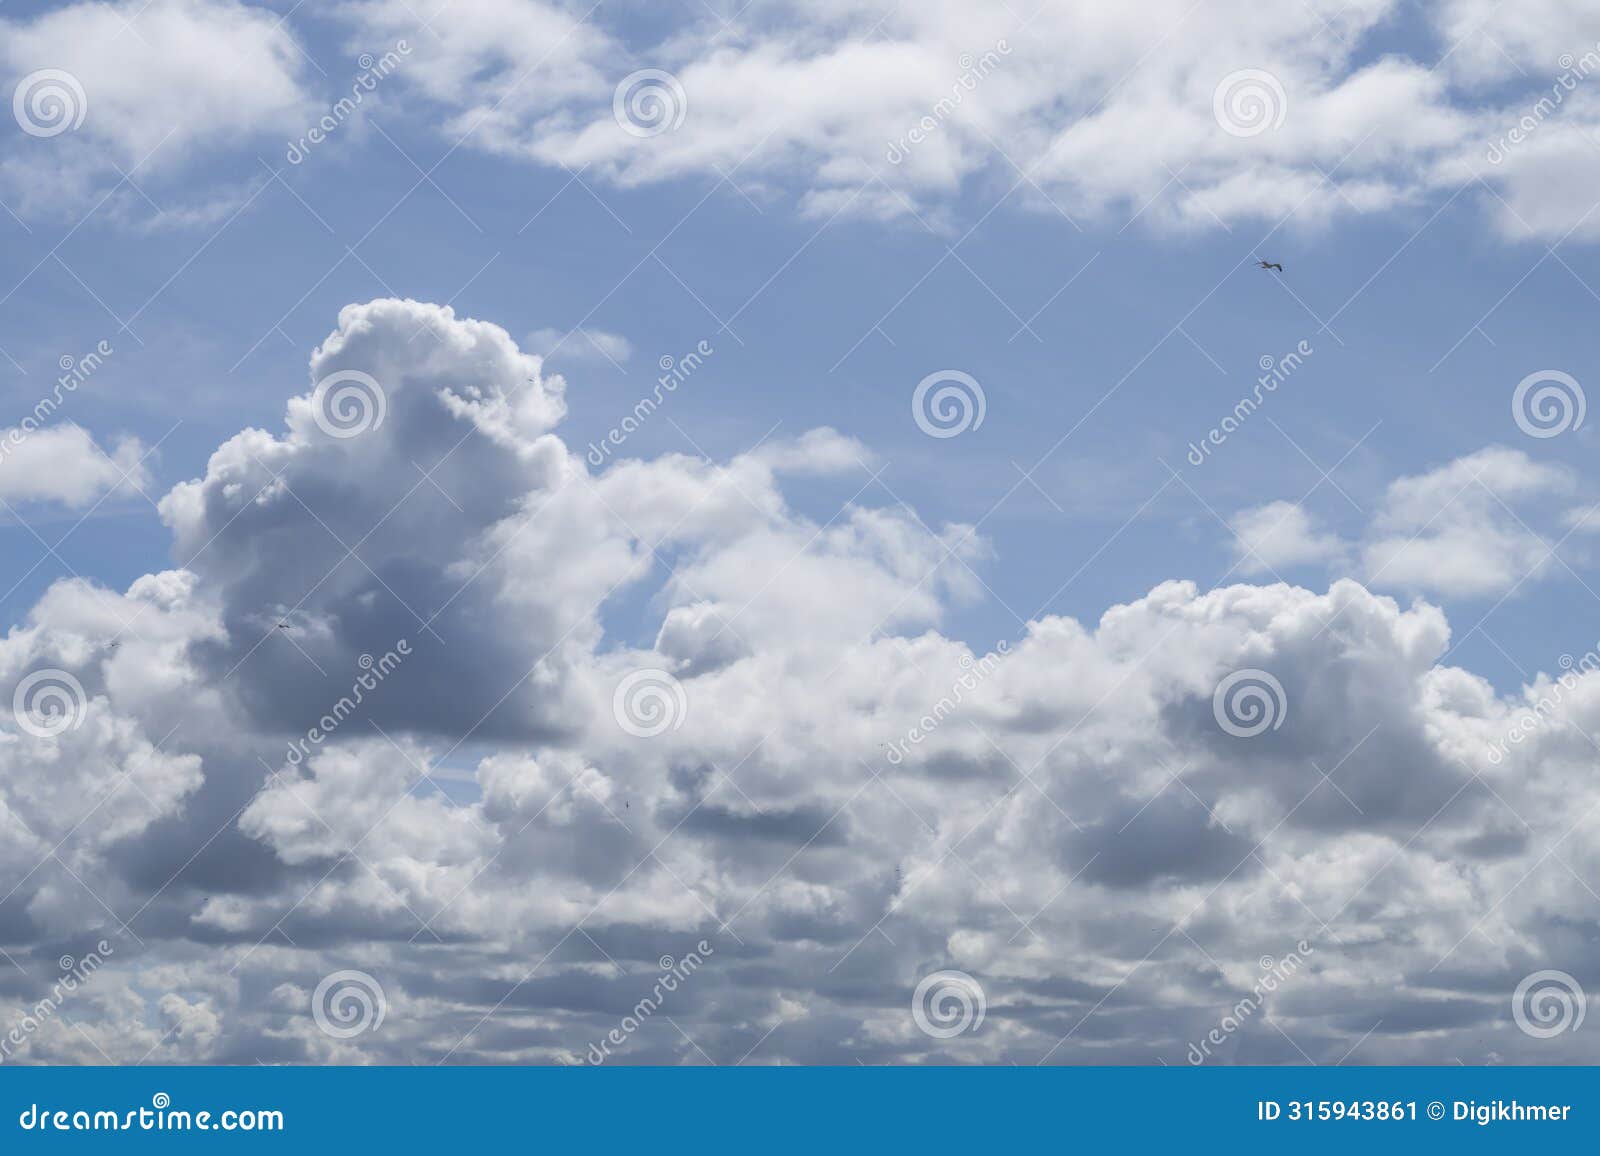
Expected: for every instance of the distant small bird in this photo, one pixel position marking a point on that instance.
(1269, 265)
(282, 626)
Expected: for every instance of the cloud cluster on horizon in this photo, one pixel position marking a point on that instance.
(521, 813)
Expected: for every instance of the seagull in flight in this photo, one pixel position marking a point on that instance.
(1269, 265)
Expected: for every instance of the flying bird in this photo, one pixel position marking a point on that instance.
(282, 626)
(1269, 265)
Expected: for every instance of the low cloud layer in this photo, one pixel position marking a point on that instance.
(432, 714)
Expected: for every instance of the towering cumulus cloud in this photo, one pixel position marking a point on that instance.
(386, 769)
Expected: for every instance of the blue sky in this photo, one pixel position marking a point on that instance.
(532, 249)
(1079, 234)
